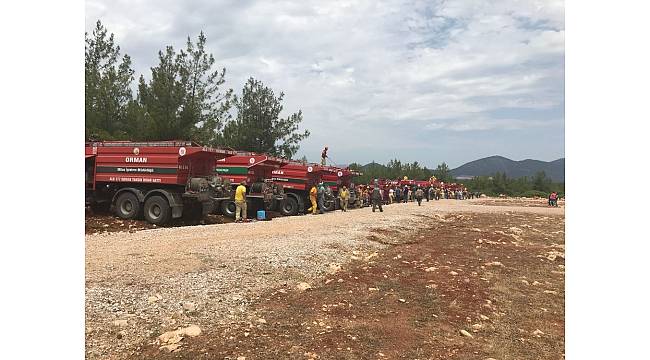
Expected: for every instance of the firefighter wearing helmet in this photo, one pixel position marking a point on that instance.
(312, 197)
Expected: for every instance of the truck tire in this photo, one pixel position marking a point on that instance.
(330, 206)
(289, 207)
(157, 210)
(127, 206)
(228, 208)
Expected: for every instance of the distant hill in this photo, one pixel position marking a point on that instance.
(513, 169)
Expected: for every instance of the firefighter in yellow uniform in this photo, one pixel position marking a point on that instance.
(240, 202)
(312, 197)
(344, 197)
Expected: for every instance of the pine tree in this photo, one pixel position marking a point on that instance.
(162, 97)
(258, 126)
(442, 173)
(183, 98)
(107, 86)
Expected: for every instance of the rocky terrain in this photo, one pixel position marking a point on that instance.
(477, 279)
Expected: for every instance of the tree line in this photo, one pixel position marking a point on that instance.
(499, 183)
(185, 98)
(395, 169)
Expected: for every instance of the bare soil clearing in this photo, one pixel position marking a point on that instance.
(399, 284)
(516, 201)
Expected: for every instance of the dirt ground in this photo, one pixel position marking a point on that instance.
(474, 279)
(517, 201)
(98, 222)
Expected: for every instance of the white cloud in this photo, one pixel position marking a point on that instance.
(478, 124)
(371, 66)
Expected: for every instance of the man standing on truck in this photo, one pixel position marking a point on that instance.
(323, 156)
(240, 202)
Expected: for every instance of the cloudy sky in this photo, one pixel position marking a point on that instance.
(430, 81)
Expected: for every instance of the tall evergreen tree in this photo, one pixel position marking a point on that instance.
(258, 126)
(442, 173)
(161, 99)
(108, 81)
(183, 99)
(541, 182)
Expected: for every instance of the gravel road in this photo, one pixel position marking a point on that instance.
(139, 285)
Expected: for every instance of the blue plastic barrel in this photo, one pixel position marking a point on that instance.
(261, 215)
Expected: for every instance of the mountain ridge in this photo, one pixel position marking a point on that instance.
(514, 169)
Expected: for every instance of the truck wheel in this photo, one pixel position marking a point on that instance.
(228, 208)
(127, 206)
(157, 210)
(289, 207)
(330, 206)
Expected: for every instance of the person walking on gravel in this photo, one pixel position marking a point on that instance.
(312, 198)
(376, 197)
(360, 196)
(419, 194)
(366, 198)
(321, 198)
(240, 202)
(344, 197)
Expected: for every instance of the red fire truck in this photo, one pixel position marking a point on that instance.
(161, 180)
(296, 178)
(256, 171)
(335, 178)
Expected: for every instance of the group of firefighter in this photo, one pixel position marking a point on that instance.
(377, 195)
